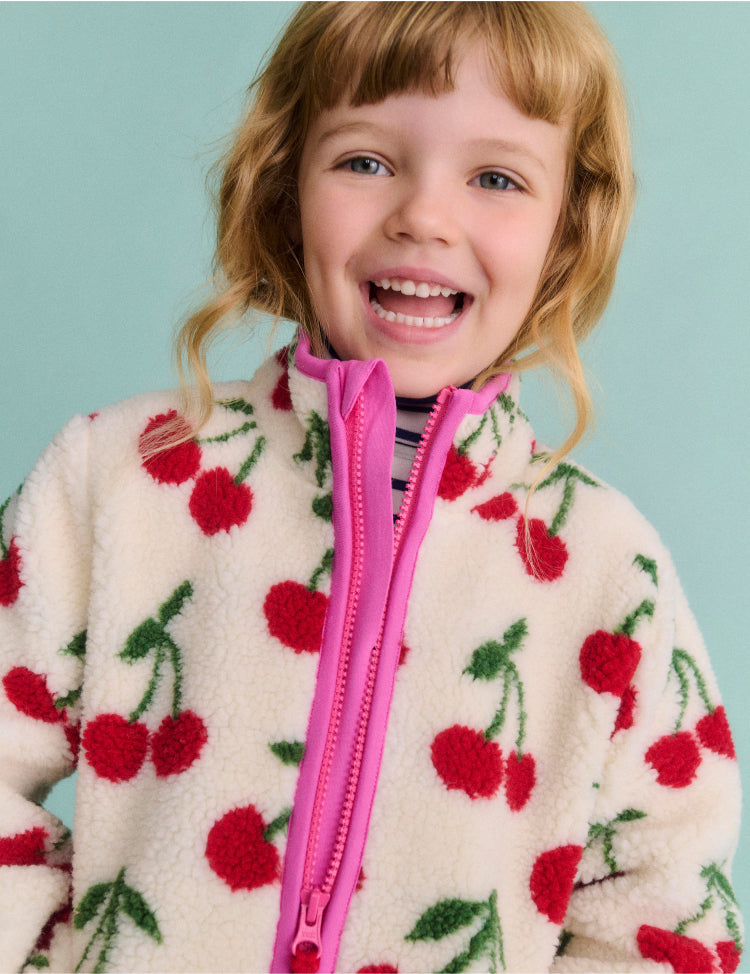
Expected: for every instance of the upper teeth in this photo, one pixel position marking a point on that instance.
(420, 288)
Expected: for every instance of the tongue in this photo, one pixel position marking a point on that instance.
(410, 304)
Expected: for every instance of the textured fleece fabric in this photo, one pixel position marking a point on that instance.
(559, 788)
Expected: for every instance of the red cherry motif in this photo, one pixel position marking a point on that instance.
(552, 879)
(715, 734)
(177, 743)
(295, 616)
(281, 398)
(305, 960)
(685, 955)
(608, 661)
(28, 692)
(176, 464)
(497, 508)
(729, 956)
(10, 575)
(217, 503)
(520, 778)
(544, 555)
(675, 758)
(23, 849)
(377, 969)
(626, 713)
(73, 734)
(467, 762)
(238, 853)
(63, 915)
(459, 474)
(115, 748)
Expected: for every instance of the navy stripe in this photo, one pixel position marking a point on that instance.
(407, 437)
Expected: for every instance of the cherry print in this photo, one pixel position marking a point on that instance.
(552, 878)
(281, 397)
(377, 969)
(217, 503)
(63, 916)
(714, 733)
(115, 748)
(626, 713)
(177, 743)
(73, 735)
(238, 852)
(282, 357)
(729, 956)
(497, 508)
(685, 955)
(544, 555)
(176, 464)
(10, 574)
(520, 778)
(459, 474)
(28, 692)
(675, 758)
(608, 661)
(24, 849)
(305, 960)
(466, 761)
(295, 616)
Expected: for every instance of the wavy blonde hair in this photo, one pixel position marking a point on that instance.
(551, 60)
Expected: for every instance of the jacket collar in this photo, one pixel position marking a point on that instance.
(492, 432)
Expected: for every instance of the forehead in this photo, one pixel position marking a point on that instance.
(473, 113)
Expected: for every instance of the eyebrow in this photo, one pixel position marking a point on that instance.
(507, 145)
(347, 128)
(481, 144)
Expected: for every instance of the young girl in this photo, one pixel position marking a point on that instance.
(350, 705)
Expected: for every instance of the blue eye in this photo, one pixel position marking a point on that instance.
(496, 180)
(365, 166)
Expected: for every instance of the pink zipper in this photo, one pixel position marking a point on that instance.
(308, 940)
(437, 411)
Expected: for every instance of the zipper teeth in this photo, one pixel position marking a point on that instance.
(337, 708)
(405, 508)
(354, 773)
(366, 706)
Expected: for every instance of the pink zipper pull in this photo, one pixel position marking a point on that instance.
(307, 944)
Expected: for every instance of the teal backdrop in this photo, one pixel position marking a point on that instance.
(110, 115)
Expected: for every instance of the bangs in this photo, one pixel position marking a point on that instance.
(543, 55)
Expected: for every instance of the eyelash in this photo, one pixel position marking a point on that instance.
(500, 177)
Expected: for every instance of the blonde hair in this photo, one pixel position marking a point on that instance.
(553, 62)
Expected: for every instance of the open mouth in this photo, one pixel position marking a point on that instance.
(418, 304)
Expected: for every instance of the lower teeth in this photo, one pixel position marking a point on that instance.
(412, 320)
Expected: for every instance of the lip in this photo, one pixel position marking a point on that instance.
(411, 334)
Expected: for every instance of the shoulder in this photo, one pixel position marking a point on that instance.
(587, 510)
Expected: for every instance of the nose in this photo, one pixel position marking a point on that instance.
(422, 214)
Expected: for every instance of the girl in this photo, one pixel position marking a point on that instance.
(329, 720)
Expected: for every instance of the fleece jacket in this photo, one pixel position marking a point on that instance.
(486, 739)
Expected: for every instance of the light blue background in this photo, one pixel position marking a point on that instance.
(109, 117)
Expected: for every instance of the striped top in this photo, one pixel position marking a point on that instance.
(411, 419)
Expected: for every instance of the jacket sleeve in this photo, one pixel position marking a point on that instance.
(653, 890)
(44, 572)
